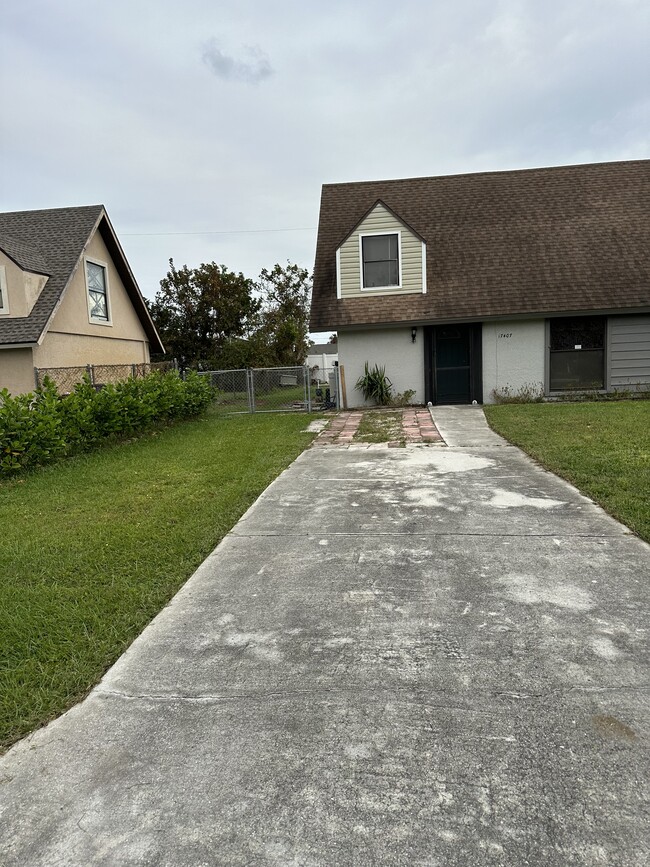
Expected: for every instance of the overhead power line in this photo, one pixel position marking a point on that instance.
(222, 232)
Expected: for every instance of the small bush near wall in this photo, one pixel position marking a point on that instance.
(42, 427)
(529, 392)
(375, 385)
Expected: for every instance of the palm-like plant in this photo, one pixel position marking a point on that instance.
(375, 385)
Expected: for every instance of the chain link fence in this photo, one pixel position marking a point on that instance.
(230, 388)
(65, 378)
(272, 389)
(264, 389)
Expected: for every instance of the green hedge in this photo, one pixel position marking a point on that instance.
(41, 427)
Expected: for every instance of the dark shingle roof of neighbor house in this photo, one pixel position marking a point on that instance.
(517, 243)
(51, 242)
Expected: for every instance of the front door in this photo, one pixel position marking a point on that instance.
(455, 364)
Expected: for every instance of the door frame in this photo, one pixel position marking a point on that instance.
(475, 361)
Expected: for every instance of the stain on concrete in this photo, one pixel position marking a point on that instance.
(502, 499)
(256, 644)
(611, 727)
(605, 647)
(536, 590)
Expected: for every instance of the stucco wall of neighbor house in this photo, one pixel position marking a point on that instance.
(65, 350)
(23, 287)
(513, 356)
(16, 370)
(72, 317)
(391, 348)
(380, 220)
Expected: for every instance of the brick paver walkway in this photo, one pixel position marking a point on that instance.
(417, 427)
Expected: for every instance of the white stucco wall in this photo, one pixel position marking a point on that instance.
(513, 355)
(391, 348)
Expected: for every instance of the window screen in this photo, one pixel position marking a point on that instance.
(380, 261)
(97, 291)
(577, 353)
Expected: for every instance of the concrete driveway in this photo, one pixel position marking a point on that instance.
(420, 656)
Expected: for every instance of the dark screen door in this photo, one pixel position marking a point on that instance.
(451, 347)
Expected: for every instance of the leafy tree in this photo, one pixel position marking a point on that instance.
(197, 311)
(211, 317)
(281, 336)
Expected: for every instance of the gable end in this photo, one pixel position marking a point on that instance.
(407, 257)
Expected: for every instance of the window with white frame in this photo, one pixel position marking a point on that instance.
(380, 265)
(4, 299)
(97, 283)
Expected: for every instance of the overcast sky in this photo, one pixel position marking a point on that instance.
(207, 128)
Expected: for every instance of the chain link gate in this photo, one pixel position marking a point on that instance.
(270, 389)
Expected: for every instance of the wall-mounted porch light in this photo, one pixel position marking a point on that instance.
(414, 334)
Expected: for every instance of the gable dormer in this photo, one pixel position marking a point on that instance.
(20, 286)
(381, 256)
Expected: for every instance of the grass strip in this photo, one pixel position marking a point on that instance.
(95, 546)
(379, 426)
(601, 448)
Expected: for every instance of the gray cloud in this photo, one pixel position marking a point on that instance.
(364, 90)
(255, 68)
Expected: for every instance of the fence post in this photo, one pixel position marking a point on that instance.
(36, 377)
(250, 382)
(308, 387)
(133, 371)
(91, 373)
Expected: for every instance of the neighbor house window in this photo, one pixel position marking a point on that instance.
(577, 353)
(4, 300)
(97, 283)
(380, 260)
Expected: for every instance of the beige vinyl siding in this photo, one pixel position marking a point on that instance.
(378, 221)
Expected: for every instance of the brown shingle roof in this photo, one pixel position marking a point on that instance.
(51, 242)
(536, 241)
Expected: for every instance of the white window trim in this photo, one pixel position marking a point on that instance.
(424, 268)
(4, 302)
(109, 306)
(384, 232)
(338, 273)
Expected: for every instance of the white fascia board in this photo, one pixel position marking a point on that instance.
(424, 268)
(338, 272)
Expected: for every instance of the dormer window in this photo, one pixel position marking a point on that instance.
(97, 285)
(380, 261)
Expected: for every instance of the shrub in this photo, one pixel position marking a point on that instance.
(529, 392)
(403, 398)
(31, 429)
(375, 385)
(38, 428)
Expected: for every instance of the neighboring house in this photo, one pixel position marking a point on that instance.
(67, 296)
(323, 356)
(464, 284)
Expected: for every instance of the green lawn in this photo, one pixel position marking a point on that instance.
(94, 547)
(602, 448)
